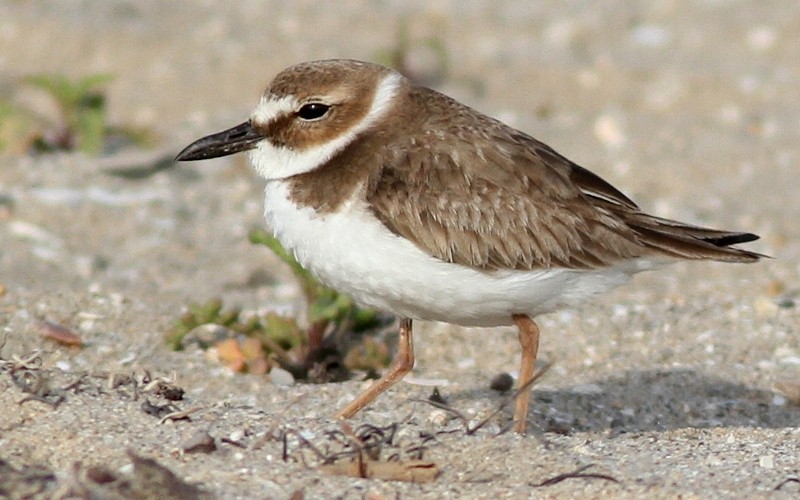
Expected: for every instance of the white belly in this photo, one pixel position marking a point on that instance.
(354, 253)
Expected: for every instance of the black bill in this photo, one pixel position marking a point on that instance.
(239, 138)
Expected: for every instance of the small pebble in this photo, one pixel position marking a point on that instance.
(502, 382)
(787, 300)
(200, 442)
(767, 462)
(439, 417)
(281, 377)
(778, 400)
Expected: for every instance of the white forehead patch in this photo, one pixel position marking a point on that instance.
(279, 162)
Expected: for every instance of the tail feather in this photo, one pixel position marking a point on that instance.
(692, 242)
(731, 239)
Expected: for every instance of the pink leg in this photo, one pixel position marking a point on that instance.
(529, 340)
(402, 364)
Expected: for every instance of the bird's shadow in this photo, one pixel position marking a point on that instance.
(650, 400)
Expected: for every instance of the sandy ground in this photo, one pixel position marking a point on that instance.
(674, 385)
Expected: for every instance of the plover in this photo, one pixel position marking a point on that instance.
(413, 203)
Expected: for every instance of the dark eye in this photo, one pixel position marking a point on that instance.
(313, 110)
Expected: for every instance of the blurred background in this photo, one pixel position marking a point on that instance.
(691, 107)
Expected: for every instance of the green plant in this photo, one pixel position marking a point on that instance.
(82, 107)
(314, 351)
(81, 123)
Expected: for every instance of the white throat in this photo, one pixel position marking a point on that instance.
(278, 162)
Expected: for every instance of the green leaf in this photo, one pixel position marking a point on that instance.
(91, 129)
(281, 330)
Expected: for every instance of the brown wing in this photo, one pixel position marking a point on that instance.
(489, 197)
